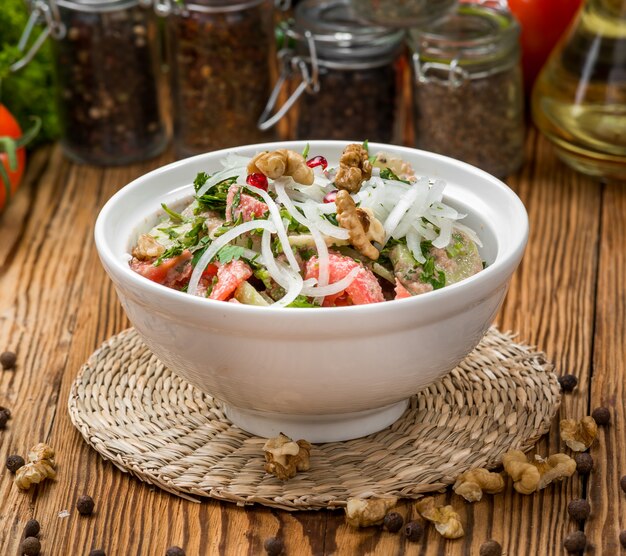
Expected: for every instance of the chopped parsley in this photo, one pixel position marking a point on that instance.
(302, 302)
(214, 198)
(230, 253)
(456, 247)
(306, 150)
(431, 275)
(388, 174)
(173, 214)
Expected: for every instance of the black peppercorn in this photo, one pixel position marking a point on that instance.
(601, 415)
(568, 382)
(622, 538)
(174, 551)
(393, 522)
(32, 528)
(579, 509)
(622, 483)
(274, 546)
(490, 548)
(584, 463)
(14, 462)
(575, 542)
(85, 505)
(7, 360)
(4, 417)
(97, 552)
(413, 531)
(31, 546)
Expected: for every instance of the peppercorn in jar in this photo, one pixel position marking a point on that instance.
(107, 69)
(221, 55)
(467, 88)
(344, 76)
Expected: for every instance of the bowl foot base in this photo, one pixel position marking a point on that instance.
(314, 428)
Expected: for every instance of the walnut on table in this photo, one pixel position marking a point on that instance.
(447, 522)
(284, 457)
(354, 168)
(282, 162)
(364, 512)
(363, 227)
(471, 484)
(40, 466)
(579, 435)
(534, 475)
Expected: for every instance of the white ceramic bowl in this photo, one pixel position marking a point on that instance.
(321, 374)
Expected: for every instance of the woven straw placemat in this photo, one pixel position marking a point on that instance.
(153, 424)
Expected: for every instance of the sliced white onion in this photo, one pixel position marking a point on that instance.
(290, 281)
(445, 233)
(220, 242)
(335, 287)
(320, 244)
(413, 243)
(278, 223)
(398, 211)
(312, 213)
(220, 176)
(469, 233)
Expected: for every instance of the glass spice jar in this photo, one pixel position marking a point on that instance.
(107, 69)
(221, 55)
(345, 77)
(402, 13)
(468, 96)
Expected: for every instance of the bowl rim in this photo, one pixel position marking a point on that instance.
(493, 275)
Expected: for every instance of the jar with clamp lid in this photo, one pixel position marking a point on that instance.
(467, 88)
(107, 69)
(221, 57)
(344, 77)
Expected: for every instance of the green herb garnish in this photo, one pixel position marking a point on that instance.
(173, 214)
(303, 303)
(305, 152)
(230, 253)
(388, 174)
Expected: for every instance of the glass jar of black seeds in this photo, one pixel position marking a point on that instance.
(221, 55)
(344, 76)
(468, 98)
(108, 74)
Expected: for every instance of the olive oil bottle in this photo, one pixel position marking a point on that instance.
(579, 99)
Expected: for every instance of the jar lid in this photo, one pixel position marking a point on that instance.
(340, 34)
(403, 13)
(473, 35)
(96, 5)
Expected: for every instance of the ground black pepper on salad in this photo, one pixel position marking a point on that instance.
(286, 229)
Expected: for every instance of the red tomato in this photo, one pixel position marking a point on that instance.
(229, 276)
(542, 22)
(10, 128)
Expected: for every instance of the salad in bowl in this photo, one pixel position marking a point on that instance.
(286, 229)
(312, 289)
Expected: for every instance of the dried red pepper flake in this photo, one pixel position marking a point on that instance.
(257, 180)
(331, 196)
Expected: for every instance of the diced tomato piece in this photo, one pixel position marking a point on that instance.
(248, 206)
(209, 271)
(401, 291)
(364, 289)
(229, 276)
(172, 272)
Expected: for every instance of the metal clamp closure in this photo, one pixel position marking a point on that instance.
(292, 64)
(439, 72)
(40, 11)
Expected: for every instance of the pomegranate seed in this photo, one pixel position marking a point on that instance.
(317, 161)
(331, 196)
(257, 180)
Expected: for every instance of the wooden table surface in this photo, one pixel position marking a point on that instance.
(57, 305)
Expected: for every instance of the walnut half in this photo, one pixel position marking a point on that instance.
(530, 476)
(362, 512)
(354, 168)
(472, 484)
(363, 227)
(282, 162)
(284, 457)
(147, 248)
(40, 466)
(579, 435)
(446, 520)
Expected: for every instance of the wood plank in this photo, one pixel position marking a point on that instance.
(608, 384)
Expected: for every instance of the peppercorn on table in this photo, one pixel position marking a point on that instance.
(57, 305)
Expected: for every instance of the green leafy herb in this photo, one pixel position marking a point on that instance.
(305, 152)
(366, 145)
(170, 232)
(200, 180)
(388, 174)
(173, 251)
(332, 218)
(302, 302)
(173, 214)
(456, 247)
(431, 275)
(230, 253)
(199, 249)
(294, 225)
(215, 198)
